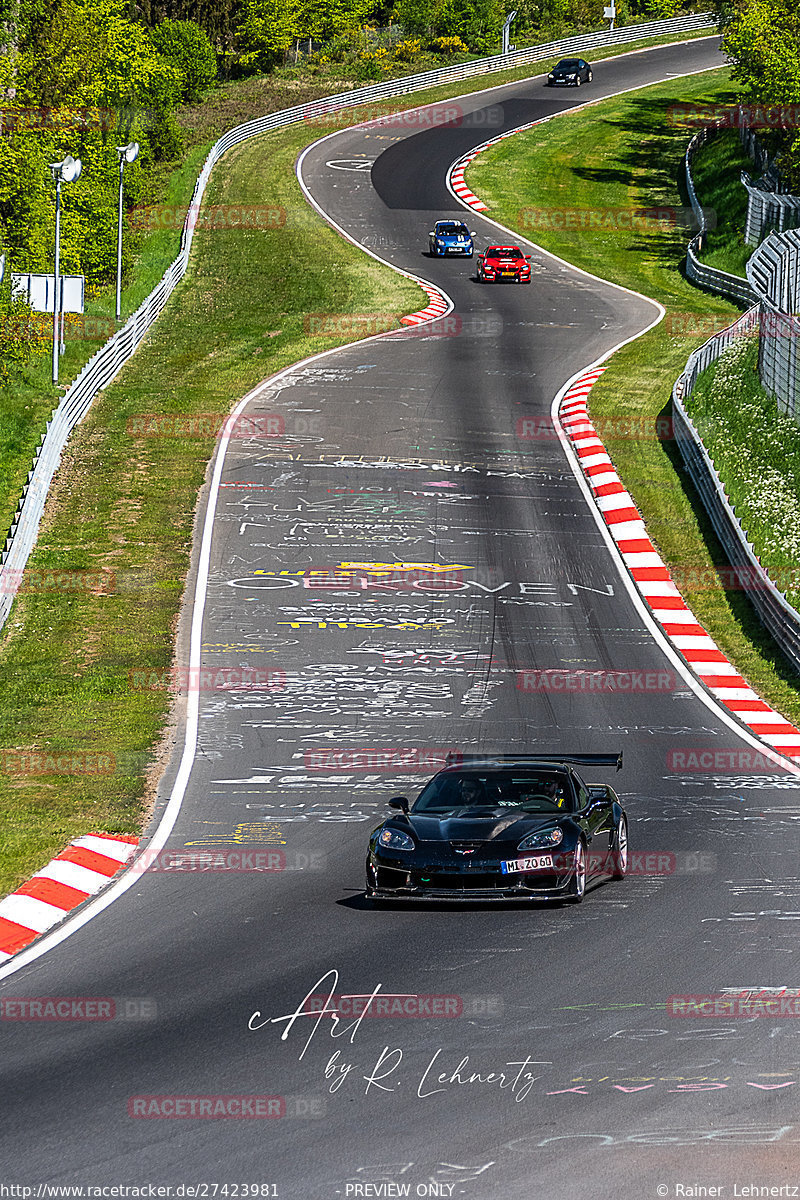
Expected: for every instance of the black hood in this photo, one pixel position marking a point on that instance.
(466, 825)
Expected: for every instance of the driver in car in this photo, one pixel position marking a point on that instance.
(547, 789)
(472, 792)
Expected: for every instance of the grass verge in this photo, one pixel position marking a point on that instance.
(716, 171)
(761, 475)
(621, 155)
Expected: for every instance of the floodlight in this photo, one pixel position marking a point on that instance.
(70, 169)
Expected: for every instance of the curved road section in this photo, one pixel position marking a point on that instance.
(404, 561)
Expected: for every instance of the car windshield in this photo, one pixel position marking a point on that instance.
(504, 252)
(451, 228)
(568, 64)
(529, 790)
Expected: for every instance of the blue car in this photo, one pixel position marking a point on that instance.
(450, 237)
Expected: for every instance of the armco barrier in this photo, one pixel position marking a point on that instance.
(105, 364)
(705, 276)
(772, 607)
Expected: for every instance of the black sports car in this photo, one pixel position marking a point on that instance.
(570, 72)
(508, 827)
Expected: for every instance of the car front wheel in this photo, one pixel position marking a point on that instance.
(589, 77)
(577, 885)
(619, 850)
(578, 82)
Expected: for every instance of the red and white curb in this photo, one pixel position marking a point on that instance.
(455, 174)
(77, 873)
(655, 584)
(455, 180)
(437, 307)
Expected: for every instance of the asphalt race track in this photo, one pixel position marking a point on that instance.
(405, 450)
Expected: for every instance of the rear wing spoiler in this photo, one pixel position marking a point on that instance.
(579, 760)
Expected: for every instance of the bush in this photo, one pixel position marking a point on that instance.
(408, 50)
(185, 46)
(450, 45)
(23, 333)
(164, 136)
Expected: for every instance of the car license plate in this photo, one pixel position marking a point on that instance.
(540, 863)
(508, 272)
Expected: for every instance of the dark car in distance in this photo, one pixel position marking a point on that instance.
(505, 827)
(570, 72)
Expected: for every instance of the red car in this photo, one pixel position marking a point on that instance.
(504, 262)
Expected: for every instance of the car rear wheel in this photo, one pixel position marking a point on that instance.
(577, 885)
(619, 850)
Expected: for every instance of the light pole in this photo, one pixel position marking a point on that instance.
(66, 171)
(125, 154)
(506, 28)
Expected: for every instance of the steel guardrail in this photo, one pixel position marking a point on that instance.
(712, 279)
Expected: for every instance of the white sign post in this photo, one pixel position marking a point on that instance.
(40, 293)
(610, 12)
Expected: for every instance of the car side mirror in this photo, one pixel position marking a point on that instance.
(599, 797)
(472, 233)
(399, 802)
(431, 233)
(528, 257)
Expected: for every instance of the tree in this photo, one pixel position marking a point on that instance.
(418, 16)
(92, 54)
(267, 31)
(476, 22)
(185, 46)
(328, 19)
(763, 40)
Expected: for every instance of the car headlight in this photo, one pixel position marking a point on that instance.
(548, 837)
(393, 839)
